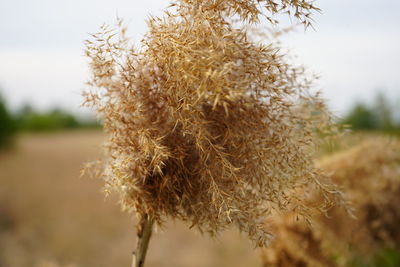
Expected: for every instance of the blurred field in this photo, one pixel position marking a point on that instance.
(49, 216)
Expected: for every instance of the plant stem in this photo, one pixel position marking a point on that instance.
(144, 234)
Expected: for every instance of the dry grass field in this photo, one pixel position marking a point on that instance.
(49, 216)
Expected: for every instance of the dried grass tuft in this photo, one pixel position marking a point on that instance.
(370, 175)
(205, 125)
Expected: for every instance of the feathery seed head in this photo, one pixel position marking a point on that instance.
(204, 125)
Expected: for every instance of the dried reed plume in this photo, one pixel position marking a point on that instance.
(370, 174)
(204, 124)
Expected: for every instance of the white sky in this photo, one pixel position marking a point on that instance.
(355, 48)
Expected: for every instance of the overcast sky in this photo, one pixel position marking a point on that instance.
(355, 47)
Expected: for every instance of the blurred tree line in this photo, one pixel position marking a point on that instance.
(381, 115)
(29, 120)
(7, 125)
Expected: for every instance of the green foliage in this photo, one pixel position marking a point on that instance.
(384, 113)
(387, 258)
(361, 118)
(54, 120)
(379, 116)
(30, 120)
(7, 126)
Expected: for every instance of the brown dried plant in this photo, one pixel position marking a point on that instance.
(204, 124)
(370, 175)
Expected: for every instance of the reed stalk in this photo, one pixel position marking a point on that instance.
(144, 232)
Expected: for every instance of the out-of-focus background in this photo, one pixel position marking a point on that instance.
(49, 216)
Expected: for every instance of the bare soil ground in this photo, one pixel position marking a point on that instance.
(49, 216)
